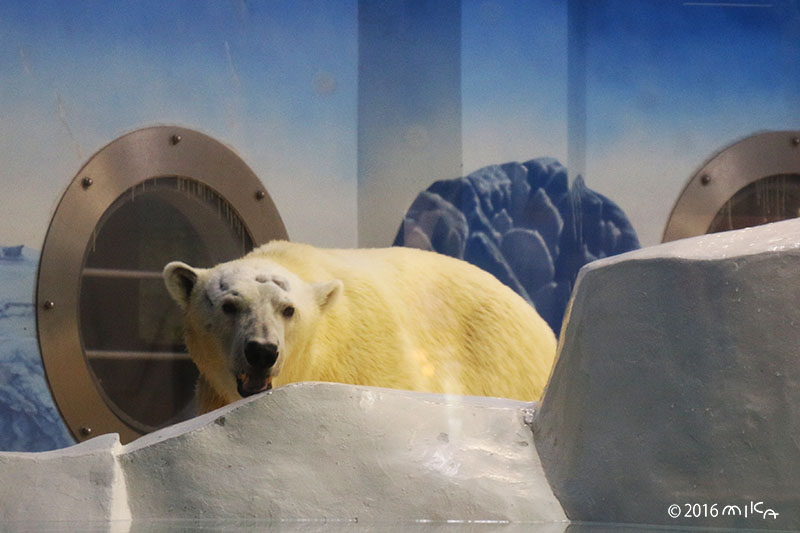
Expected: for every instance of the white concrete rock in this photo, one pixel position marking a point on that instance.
(308, 451)
(678, 383)
(337, 452)
(82, 483)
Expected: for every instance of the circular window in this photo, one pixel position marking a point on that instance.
(110, 336)
(769, 199)
(750, 183)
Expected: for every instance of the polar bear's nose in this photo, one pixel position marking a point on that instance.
(261, 355)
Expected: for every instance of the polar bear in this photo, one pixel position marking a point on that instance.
(394, 317)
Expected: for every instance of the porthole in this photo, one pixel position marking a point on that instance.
(766, 200)
(753, 182)
(110, 337)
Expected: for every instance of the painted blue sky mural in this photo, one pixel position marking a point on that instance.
(667, 84)
(514, 81)
(275, 80)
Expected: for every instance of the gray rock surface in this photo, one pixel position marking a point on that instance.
(82, 483)
(678, 383)
(311, 451)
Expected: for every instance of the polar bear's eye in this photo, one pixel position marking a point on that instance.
(229, 308)
(288, 311)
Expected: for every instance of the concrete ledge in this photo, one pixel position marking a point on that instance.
(678, 383)
(310, 451)
(76, 484)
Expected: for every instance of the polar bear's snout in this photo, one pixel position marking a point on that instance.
(260, 355)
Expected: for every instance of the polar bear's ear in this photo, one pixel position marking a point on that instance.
(180, 279)
(326, 292)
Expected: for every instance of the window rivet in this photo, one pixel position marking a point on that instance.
(705, 179)
(48, 305)
(86, 431)
(176, 139)
(87, 182)
(260, 195)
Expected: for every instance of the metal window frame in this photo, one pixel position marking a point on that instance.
(122, 164)
(759, 156)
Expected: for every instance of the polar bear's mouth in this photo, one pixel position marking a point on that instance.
(247, 384)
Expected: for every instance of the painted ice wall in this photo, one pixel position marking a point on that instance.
(409, 107)
(275, 80)
(658, 87)
(29, 420)
(623, 92)
(523, 223)
(513, 81)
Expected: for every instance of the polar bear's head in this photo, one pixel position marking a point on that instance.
(243, 319)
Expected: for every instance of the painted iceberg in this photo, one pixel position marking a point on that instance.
(523, 223)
